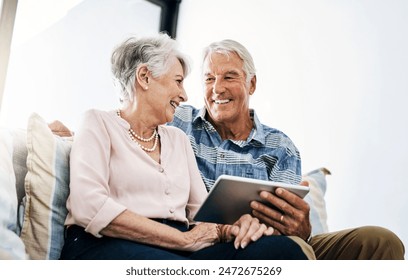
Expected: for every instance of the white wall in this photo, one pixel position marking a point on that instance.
(333, 75)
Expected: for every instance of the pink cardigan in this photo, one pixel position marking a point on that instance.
(111, 173)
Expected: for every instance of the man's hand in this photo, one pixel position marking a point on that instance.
(58, 128)
(291, 216)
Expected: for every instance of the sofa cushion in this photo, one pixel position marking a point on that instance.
(47, 188)
(11, 246)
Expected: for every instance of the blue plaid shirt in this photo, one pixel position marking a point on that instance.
(267, 154)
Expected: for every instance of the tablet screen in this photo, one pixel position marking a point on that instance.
(231, 196)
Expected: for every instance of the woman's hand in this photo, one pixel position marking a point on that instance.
(247, 229)
(201, 236)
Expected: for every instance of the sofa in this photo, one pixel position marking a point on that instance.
(34, 186)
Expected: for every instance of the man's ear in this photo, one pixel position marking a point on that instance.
(143, 76)
(252, 86)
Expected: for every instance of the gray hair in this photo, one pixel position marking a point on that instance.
(153, 51)
(230, 46)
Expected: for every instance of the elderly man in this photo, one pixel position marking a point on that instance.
(228, 138)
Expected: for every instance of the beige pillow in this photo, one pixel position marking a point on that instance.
(47, 188)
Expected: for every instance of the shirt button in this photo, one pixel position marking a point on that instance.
(171, 210)
(222, 155)
(167, 191)
(161, 169)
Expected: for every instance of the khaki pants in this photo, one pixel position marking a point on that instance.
(363, 243)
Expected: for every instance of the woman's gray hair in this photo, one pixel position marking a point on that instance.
(230, 46)
(153, 51)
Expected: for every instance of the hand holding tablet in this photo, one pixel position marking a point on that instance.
(231, 196)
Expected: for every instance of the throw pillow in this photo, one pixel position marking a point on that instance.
(47, 189)
(315, 198)
(11, 246)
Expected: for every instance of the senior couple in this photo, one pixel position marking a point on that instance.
(140, 172)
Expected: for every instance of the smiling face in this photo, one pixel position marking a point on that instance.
(227, 90)
(167, 91)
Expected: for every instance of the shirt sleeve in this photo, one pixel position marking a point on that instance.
(89, 202)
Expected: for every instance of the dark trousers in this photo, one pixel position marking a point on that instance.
(82, 245)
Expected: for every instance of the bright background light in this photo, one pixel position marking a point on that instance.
(331, 74)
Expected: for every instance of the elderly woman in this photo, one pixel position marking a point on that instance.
(135, 185)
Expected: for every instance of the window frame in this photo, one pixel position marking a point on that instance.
(8, 9)
(168, 15)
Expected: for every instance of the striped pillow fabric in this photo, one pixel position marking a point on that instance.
(315, 198)
(47, 189)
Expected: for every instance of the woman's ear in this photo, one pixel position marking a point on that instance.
(143, 76)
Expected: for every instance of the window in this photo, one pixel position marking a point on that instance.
(60, 56)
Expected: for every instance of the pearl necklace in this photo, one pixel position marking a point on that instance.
(134, 136)
(141, 138)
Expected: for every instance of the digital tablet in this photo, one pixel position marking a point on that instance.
(231, 196)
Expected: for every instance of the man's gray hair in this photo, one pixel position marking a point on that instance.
(230, 46)
(153, 51)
